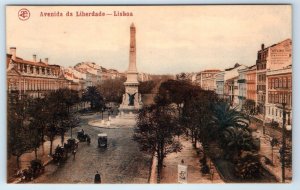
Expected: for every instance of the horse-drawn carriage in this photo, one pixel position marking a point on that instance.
(35, 169)
(72, 144)
(60, 154)
(82, 137)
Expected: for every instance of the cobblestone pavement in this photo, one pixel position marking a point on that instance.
(121, 162)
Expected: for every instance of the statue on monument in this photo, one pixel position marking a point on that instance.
(131, 99)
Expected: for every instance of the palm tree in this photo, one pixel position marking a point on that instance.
(224, 116)
(235, 140)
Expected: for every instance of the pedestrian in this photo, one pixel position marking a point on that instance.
(97, 178)
(74, 153)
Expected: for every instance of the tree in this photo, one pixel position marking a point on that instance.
(51, 132)
(34, 136)
(235, 140)
(71, 98)
(39, 105)
(112, 90)
(147, 86)
(224, 116)
(155, 131)
(249, 107)
(18, 141)
(248, 166)
(93, 96)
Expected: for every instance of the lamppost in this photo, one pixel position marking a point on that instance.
(283, 148)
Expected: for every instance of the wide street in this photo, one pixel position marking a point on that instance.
(121, 162)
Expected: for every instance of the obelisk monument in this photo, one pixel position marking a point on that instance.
(132, 98)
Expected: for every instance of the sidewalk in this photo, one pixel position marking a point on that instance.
(191, 159)
(42, 154)
(266, 150)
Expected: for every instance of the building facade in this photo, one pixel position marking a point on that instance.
(208, 79)
(33, 78)
(242, 86)
(220, 84)
(251, 83)
(279, 91)
(273, 57)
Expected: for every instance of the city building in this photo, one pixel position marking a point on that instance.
(207, 79)
(93, 73)
(222, 87)
(279, 91)
(242, 86)
(33, 77)
(231, 91)
(273, 57)
(251, 83)
(220, 84)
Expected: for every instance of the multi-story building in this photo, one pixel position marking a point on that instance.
(251, 83)
(32, 78)
(208, 79)
(231, 91)
(279, 91)
(93, 73)
(273, 57)
(221, 78)
(220, 84)
(242, 86)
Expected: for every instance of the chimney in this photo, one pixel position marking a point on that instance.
(13, 51)
(34, 57)
(46, 60)
(262, 46)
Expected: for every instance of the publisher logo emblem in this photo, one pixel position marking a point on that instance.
(24, 14)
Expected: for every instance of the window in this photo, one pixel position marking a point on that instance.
(276, 98)
(270, 84)
(280, 113)
(280, 83)
(289, 83)
(276, 112)
(284, 82)
(276, 83)
(280, 98)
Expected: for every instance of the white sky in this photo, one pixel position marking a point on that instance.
(170, 39)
